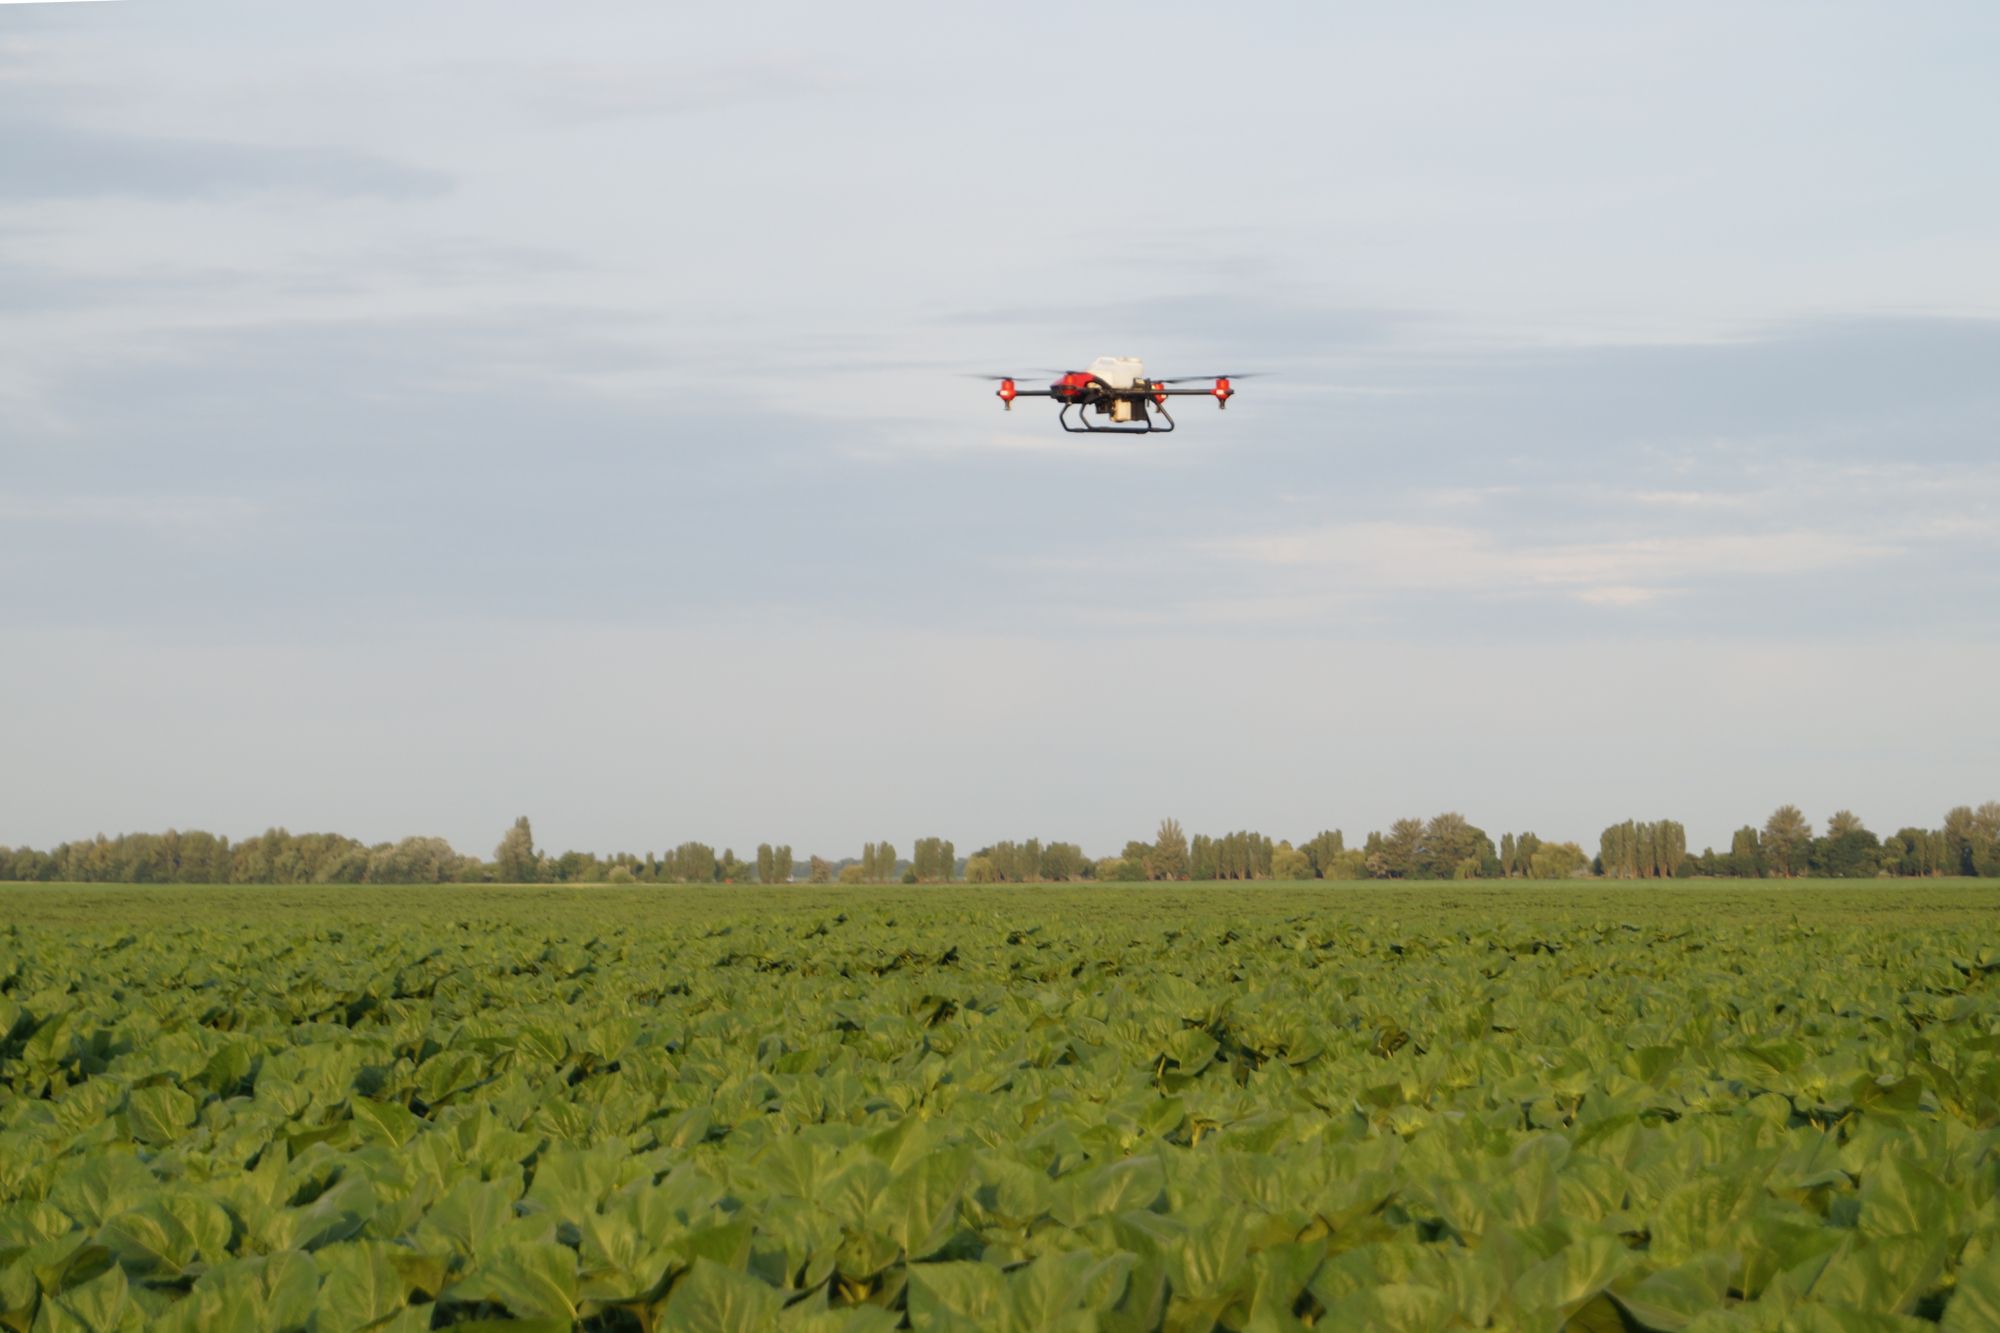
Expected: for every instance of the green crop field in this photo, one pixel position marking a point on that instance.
(1423, 1107)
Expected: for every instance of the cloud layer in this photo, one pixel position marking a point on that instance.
(1639, 364)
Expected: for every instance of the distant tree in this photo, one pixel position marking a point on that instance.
(1062, 861)
(781, 863)
(1349, 863)
(934, 860)
(865, 871)
(1288, 863)
(1847, 850)
(1669, 849)
(1556, 860)
(1958, 840)
(411, 861)
(1618, 851)
(691, 863)
(1321, 849)
(1917, 851)
(1787, 839)
(1643, 849)
(1013, 862)
(1402, 848)
(1986, 840)
(1746, 854)
(1170, 852)
(204, 859)
(979, 870)
(854, 873)
(1375, 856)
(1971, 840)
(766, 864)
(819, 871)
(1239, 855)
(732, 871)
(1517, 854)
(1447, 843)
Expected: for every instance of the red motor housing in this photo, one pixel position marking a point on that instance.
(1005, 393)
(1071, 386)
(1223, 393)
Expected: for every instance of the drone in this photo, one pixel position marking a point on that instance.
(1115, 387)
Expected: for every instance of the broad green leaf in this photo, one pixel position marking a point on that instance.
(102, 1305)
(853, 1319)
(359, 1288)
(1115, 1187)
(159, 1114)
(1571, 1277)
(1899, 1198)
(919, 1207)
(1393, 1308)
(954, 1295)
(534, 1281)
(387, 1122)
(1888, 1274)
(1670, 1298)
(101, 1187)
(148, 1242)
(1974, 1306)
(714, 1299)
(470, 1220)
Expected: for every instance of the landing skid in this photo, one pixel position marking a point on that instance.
(1083, 415)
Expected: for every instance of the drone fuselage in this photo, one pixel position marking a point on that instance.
(1115, 387)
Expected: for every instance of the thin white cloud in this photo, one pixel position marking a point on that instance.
(184, 514)
(1621, 595)
(1435, 557)
(1692, 499)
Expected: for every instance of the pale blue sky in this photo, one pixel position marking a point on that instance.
(416, 415)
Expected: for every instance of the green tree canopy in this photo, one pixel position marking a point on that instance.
(1170, 852)
(1787, 836)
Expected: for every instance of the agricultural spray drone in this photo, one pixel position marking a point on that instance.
(1116, 387)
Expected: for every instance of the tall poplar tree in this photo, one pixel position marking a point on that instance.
(1170, 852)
(514, 859)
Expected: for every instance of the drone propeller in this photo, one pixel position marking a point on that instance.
(1184, 379)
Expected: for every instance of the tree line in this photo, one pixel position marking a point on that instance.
(1445, 846)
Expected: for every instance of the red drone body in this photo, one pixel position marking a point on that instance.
(1116, 387)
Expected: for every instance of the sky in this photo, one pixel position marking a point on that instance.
(417, 415)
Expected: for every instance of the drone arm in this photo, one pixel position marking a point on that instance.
(1220, 391)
